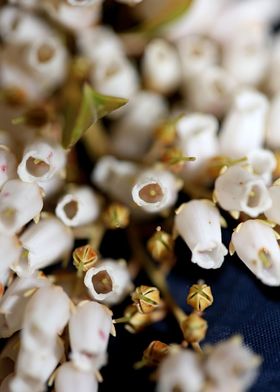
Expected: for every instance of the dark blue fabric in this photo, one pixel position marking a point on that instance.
(242, 305)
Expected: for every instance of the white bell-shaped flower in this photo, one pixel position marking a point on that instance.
(223, 361)
(197, 137)
(25, 384)
(89, 330)
(78, 207)
(7, 165)
(155, 190)
(273, 125)
(218, 88)
(263, 163)
(41, 161)
(70, 378)
(19, 203)
(46, 315)
(132, 134)
(180, 370)
(198, 223)
(44, 243)
(273, 213)
(10, 250)
(244, 127)
(116, 77)
(239, 190)
(52, 186)
(109, 282)
(14, 302)
(161, 67)
(256, 245)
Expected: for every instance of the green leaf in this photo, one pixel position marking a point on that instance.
(93, 106)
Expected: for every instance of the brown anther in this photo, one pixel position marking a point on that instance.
(151, 193)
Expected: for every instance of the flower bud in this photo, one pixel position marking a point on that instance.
(70, 378)
(198, 223)
(84, 258)
(200, 297)
(108, 282)
(44, 243)
(161, 67)
(194, 328)
(243, 129)
(20, 202)
(256, 245)
(146, 298)
(41, 161)
(78, 207)
(155, 353)
(174, 159)
(182, 371)
(161, 247)
(116, 216)
(137, 321)
(155, 190)
(239, 190)
(89, 330)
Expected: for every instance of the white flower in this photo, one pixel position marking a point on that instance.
(256, 245)
(115, 177)
(180, 370)
(198, 223)
(115, 76)
(273, 125)
(70, 378)
(273, 79)
(263, 163)
(109, 282)
(197, 137)
(46, 315)
(44, 243)
(22, 384)
(14, 302)
(41, 161)
(78, 207)
(10, 250)
(86, 3)
(197, 53)
(7, 165)
(218, 88)
(52, 186)
(89, 330)
(19, 203)
(155, 190)
(231, 366)
(273, 213)
(161, 67)
(243, 129)
(239, 190)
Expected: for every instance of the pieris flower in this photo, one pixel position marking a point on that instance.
(161, 67)
(10, 250)
(78, 207)
(263, 163)
(19, 203)
(197, 136)
(14, 302)
(155, 190)
(44, 243)
(132, 134)
(273, 213)
(256, 245)
(25, 384)
(109, 282)
(71, 378)
(7, 165)
(243, 129)
(273, 125)
(41, 161)
(198, 223)
(89, 330)
(231, 366)
(239, 190)
(180, 370)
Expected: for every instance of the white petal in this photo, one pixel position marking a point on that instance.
(70, 379)
(273, 213)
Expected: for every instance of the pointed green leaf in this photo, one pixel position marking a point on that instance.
(92, 107)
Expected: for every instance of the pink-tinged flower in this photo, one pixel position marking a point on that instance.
(198, 223)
